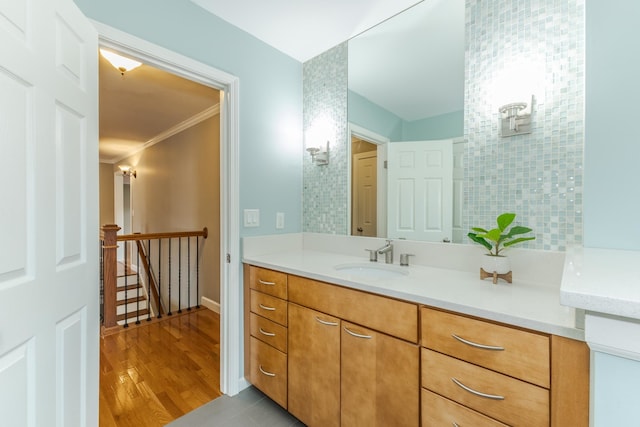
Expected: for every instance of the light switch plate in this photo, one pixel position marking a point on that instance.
(252, 217)
(280, 220)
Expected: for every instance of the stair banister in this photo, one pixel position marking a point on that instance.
(110, 276)
(110, 242)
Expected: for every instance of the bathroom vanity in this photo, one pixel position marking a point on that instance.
(338, 341)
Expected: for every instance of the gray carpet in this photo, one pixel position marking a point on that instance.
(248, 408)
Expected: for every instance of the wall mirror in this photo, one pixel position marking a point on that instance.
(405, 108)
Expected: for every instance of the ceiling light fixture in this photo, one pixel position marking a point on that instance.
(121, 63)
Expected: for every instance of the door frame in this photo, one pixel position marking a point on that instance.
(381, 141)
(231, 380)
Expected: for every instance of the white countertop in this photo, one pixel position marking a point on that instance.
(602, 280)
(523, 304)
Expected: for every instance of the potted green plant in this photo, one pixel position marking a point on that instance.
(497, 240)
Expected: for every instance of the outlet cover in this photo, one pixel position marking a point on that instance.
(280, 220)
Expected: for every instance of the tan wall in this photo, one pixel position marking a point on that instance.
(106, 193)
(178, 189)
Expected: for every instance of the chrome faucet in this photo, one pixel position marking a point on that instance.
(387, 250)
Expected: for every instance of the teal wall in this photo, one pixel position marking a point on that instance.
(270, 96)
(365, 113)
(444, 126)
(612, 142)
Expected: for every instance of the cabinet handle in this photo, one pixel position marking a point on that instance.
(264, 307)
(477, 393)
(455, 424)
(269, 334)
(269, 374)
(324, 322)
(476, 345)
(357, 335)
(262, 282)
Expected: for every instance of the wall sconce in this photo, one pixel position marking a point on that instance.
(515, 118)
(319, 156)
(321, 130)
(121, 63)
(127, 171)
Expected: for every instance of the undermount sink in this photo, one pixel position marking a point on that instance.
(372, 270)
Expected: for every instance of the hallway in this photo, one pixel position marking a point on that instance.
(154, 373)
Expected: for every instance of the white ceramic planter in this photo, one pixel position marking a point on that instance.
(498, 264)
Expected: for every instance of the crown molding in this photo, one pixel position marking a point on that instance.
(182, 126)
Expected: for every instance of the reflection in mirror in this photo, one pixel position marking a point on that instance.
(406, 85)
(368, 182)
(538, 175)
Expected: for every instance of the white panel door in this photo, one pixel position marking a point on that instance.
(365, 192)
(49, 277)
(420, 190)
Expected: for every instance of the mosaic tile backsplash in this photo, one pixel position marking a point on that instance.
(538, 175)
(324, 201)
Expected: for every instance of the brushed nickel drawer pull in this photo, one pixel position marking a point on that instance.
(269, 374)
(357, 335)
(324, 322)
(477, 393)
(476, 345)
(262, 282)
(269, 334)
(264, 307)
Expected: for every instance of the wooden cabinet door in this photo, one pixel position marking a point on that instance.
(380, 379)
(314, 367)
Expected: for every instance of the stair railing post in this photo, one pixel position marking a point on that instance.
(110, 273)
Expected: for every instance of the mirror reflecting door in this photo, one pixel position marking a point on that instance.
(364, 186)
(367, 183)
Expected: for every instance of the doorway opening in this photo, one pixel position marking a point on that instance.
(122, 193)
(228, 85)
(367, 182)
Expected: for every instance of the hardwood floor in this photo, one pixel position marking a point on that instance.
(154, 373)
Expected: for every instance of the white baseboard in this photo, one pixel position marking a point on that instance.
(210, 304)
(243, 384)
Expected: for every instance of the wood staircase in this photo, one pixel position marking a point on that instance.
(125, 301)
(136, 305)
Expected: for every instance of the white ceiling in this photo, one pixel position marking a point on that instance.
(412, 64)
(145, 103)
(304, 28)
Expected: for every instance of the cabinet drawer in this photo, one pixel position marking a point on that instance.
(268, 281)
(438, 411)
(506, 399)
(269, 332)
(269, 371)
(393, 317)
(517, 353)
(270, 307)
